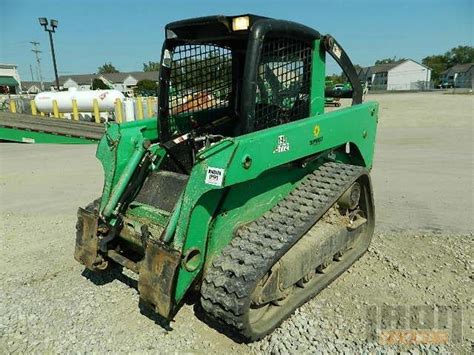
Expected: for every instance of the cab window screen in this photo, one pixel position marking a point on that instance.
(201, 78)
(283, 82)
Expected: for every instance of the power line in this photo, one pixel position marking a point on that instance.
(36, 51)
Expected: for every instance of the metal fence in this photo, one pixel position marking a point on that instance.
(411, 86)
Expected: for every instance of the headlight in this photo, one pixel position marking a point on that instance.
(240, 23)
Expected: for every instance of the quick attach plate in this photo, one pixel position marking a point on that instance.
(87, 243)
(157, 277)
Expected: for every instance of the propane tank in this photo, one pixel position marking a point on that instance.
(85, 99)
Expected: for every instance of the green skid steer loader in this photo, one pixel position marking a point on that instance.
(243, 190)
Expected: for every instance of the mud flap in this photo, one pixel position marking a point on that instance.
(157, 277)
(87, 243)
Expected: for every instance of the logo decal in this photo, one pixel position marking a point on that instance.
(317, 139)
(316, 130)
(215, 176)
(282, 146)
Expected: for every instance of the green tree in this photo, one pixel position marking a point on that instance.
(388, 60)
(151, 66)
(107, 68)
(146, 88)
(460, 55)
(440, 62)
(98, 84)
(336, 79)
(437, 64)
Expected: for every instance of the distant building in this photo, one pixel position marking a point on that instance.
(401, 75)
(124, 82)
(30, 87)
(10, 82)
(458, 76)
(80, 82)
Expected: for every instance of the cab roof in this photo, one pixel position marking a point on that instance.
(220, 27)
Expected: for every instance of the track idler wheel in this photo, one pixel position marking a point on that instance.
(350, 198)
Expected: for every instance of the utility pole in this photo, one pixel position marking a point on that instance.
(31, 71)
(38, 61)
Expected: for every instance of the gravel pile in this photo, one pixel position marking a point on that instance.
(435, 271)
(305, 333)
(50, 304)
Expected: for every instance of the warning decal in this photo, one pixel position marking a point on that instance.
(215, 176)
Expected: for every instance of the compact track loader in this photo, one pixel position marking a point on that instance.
(243, 190)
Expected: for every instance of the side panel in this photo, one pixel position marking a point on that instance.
(250, 157)
(279, 145)
(198, 229)
(200, 201)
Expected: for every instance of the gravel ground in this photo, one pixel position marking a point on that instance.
(421, 254)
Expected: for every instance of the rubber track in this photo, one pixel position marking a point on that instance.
(231, 278)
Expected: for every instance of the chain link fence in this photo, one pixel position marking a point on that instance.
(411, 86)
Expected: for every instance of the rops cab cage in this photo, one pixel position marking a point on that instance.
(255, 69)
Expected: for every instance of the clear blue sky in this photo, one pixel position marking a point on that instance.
(128, 33)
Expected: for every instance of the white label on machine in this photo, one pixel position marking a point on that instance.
(282, 146)
(27, 140)
(215, 176)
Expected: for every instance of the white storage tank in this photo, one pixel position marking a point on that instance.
(105, 98)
